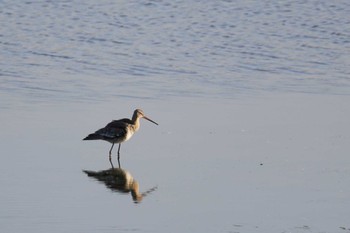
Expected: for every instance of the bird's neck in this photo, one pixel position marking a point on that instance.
(136, 122)
(135, 193)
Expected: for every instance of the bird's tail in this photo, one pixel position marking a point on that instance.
(93, 136)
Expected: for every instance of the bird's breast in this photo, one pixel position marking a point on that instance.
(129, 134)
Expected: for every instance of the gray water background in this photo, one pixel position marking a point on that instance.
(251, 97)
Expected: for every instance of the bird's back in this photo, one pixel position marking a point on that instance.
(115, 132)
(119, 123)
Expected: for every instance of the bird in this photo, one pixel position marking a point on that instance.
(119, 131)
(120, 180)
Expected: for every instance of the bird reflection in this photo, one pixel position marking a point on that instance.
(120, 180)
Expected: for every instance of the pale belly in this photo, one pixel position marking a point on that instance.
(128, 135)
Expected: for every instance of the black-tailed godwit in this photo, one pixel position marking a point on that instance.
(119, 131)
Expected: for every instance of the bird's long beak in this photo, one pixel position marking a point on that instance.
(150, 120)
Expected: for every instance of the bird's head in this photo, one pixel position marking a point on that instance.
(138, 113)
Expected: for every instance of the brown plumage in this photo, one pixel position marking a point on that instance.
(119, 131)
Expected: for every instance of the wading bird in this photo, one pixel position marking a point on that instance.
(119, 131)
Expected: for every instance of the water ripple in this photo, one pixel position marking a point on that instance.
(174, 48)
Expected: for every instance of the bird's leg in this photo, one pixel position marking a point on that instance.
(118, 155)
(119, 151)
(111, 163)
(110, 155)
(119, 163)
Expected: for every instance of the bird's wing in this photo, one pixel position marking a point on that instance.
(113, 129)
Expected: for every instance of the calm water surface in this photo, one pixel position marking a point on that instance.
(251, 97)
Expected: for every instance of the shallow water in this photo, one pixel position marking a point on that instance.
(251, 100)
(257, 165)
